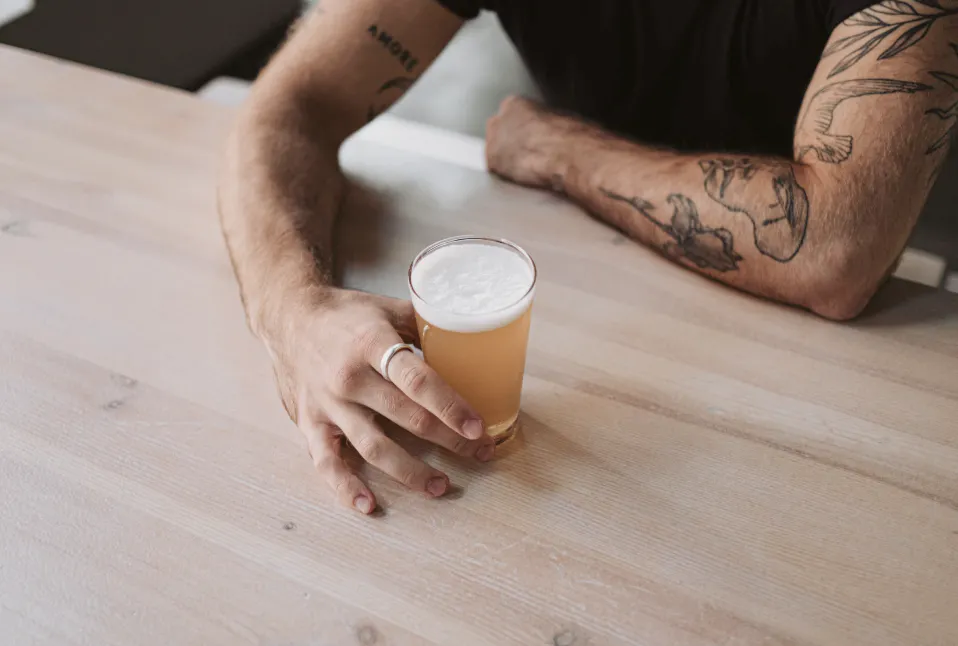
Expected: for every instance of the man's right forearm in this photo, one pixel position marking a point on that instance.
(279, 193)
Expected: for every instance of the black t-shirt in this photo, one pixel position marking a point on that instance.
(709, 75)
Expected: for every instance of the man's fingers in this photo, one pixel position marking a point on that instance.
(425, 387)
(387, 456)
(324, 446)
(394, 405)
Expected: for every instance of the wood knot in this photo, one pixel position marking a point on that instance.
(15, 228)
(289, 526)
(367, 636)
(124, 381)
(564, 638)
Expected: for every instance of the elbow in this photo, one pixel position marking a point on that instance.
(842, 308)
(845, 282)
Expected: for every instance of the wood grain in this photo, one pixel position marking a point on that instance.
(697, 466)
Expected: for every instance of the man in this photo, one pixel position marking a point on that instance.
(784, 147)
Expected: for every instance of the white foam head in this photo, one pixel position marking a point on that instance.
(472, 285)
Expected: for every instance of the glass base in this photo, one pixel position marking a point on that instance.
(505, 431)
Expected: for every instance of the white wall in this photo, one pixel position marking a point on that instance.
(465, 85)
(10, 9)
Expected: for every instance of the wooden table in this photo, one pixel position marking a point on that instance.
(697, 467)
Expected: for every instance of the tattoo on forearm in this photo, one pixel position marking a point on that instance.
(704, 247)
(813, 131)
(769, 194)
(394, 47)
(910, 22)
(948, 114)
(389, 93)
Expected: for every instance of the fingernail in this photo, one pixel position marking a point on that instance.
(473, 429)
(436, 486)
(363, 504)
(486, 453)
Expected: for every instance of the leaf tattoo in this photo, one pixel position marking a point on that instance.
(894, 7)
(908, 38)
(813, 133)
(948, 79)
(704, 247)
(879, 24)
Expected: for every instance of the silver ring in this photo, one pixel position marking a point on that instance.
(388, 356)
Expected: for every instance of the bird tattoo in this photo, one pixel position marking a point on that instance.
(813, 133)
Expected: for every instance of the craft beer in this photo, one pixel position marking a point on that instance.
(473, 300)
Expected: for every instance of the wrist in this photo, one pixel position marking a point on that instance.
(576, 153)
(563, 137)
(276, 315)
(567, 139)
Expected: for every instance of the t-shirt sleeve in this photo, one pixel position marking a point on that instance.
(466, 9)
(841, 10)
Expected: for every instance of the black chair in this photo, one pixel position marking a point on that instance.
(180, 43)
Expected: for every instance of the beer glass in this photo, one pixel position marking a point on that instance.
(473, 300)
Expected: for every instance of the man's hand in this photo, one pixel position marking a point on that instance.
(519, 143)
(280, 192)
(326, 359)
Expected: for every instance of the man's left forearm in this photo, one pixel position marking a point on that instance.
(747, 221)
(743, 220)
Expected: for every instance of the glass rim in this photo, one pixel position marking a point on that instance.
(446, 242)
